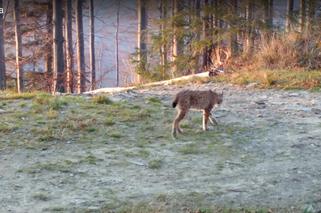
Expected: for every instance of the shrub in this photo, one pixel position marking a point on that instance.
(291, 50)
(101, 99)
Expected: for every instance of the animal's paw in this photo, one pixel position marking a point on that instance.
(174, 134)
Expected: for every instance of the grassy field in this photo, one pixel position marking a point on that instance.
(115, 153)
(39, 119)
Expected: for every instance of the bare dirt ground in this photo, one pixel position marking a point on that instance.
(267, 156)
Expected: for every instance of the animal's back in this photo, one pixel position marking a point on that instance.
(192, 99)
(200, 99)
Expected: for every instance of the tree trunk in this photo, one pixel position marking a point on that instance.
(69, 50)
(311, 14)
(49, 76)
(289, 16)
(163, 48)
(302, 15)
(92, 44)
(19, 68)
(2, 54)
(268, 14)
(268, 19)
(58, 51)
(215, 5)
(176, 41)
(80, 48)
(249, 38)
(218, 24)
(205, 35)
(141, 35)
(234, 44)
(271, 14)
(196, 54)
(117, 44)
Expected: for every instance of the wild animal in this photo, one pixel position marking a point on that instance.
(195, 99)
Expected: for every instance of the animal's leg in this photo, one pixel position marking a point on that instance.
(212, 120)
(206, 115)
(204, 121)
(180, 115)
(174, 128)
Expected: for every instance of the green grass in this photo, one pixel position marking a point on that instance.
(90, 159)
(109, 121)
(189, 149)
(52, 114)
(191, 202)
(115, 134)
(135, 130)
(154, 100)
(47, 120)
(63, 166)
(60, 166)
(55, 209)
(100, 99)
(41, 196)
(11, 95)
(155, 164)
(7, 128)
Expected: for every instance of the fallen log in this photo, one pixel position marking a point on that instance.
(158, 83)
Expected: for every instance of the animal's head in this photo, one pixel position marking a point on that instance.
(218, 97)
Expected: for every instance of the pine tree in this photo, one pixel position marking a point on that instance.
(249, 37)
(92, 44)
(117, 43)
(311, 14)
(163, 48)
(80, 48)
(141, 36)
(69, 50)
(289, 15)
(302, 15)
(19, 68)
(49, 74)
(176, 42)
(234, 44)
(58, 54)
(2, 54)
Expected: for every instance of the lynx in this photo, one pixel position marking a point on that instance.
(204, 100)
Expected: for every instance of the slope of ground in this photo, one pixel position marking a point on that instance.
(87, 154)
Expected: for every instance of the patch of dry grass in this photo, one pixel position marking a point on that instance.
(291, 50)
(282, 79)
(11, 95)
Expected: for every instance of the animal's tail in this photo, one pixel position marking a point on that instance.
(175, 102)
